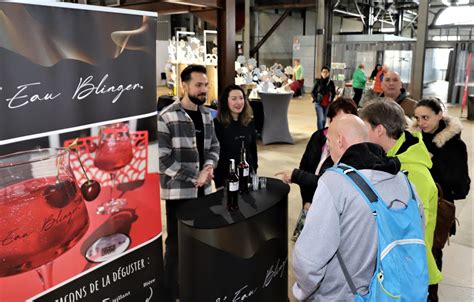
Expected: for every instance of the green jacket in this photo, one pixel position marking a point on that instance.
(359, 78)
(415, 158)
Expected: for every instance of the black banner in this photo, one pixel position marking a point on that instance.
(74, 67)
(132, 277)
(82, 225)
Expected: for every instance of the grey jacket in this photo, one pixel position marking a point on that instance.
(340, 219)
(178, 153)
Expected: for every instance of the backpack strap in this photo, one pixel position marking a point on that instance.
(346, 273)
(359, 181)
(412, 193)
(369, 194)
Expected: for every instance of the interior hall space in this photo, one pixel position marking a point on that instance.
(112, 110)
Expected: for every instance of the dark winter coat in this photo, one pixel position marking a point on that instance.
(449, 156)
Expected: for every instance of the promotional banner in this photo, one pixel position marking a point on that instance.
(80, 215)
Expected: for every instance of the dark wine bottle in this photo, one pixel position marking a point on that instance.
(243, 171)
(232, 187)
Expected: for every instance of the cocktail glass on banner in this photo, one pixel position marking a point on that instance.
(113, 153)
(42, 212)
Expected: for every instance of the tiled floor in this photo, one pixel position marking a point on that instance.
(458, 268)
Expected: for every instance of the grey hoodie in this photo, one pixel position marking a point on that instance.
(340, 218)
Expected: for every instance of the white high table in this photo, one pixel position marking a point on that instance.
(275, 123)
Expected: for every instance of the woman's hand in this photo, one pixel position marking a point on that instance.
(285, 176)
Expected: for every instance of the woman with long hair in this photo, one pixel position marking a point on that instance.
(442, 137)
(234, 125)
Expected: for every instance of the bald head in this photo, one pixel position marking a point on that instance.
(344, 132)
(392, 84)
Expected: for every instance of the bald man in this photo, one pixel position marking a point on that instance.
(392, 88)
(345, 132)
(340, 220)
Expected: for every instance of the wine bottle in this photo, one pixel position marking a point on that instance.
(243, 171)
(232, 187)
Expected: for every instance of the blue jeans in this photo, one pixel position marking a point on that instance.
(321, 113)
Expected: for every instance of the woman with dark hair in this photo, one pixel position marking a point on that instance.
(442, 137)
(375, 71)
(233, 126)
(323, 93)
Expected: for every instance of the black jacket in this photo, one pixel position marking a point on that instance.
(449, 156)
(230, 140)
(322, 87)
(304, 176)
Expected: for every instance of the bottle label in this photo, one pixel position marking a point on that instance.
(246, 172)
(233, 186)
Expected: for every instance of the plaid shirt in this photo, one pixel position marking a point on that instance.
(178, 153)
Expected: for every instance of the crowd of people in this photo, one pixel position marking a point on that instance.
(377, 140)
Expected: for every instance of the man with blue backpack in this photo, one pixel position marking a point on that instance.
(363, 237)
(386, 122)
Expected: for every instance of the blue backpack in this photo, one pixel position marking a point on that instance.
(401, 272)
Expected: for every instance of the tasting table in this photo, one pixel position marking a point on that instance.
(235, 256)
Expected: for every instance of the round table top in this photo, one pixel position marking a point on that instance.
(248, 85)
(210, 211)
(273, 93)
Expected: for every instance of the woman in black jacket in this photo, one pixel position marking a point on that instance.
(442, 137)
(316, 157)
(323, 93)
(233, 126)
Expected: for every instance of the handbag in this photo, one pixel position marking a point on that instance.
(299, 224)
(445, 219)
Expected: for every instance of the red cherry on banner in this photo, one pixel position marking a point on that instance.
(90, 189)
(60, 194)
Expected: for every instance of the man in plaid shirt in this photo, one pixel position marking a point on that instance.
(188, 154)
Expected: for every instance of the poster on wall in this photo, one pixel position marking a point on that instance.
(80, 215)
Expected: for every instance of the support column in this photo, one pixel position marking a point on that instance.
(320, 43)
(370, 23)
(328, 7)
(418, 64)
(225, 45)
(453, 56)
(246, 37)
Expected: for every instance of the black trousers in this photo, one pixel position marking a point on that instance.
(171, 251)
(171, 287)
(357, 95)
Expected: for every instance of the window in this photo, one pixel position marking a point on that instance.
(456, 15)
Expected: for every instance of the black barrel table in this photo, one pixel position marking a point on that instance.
(235, 256)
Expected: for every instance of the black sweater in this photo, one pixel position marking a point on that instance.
(230, 140)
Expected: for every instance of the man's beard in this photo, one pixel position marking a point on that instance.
(196, 100)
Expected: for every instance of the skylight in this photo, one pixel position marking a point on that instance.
(456, 15)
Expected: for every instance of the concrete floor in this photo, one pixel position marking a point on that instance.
(457, 284)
